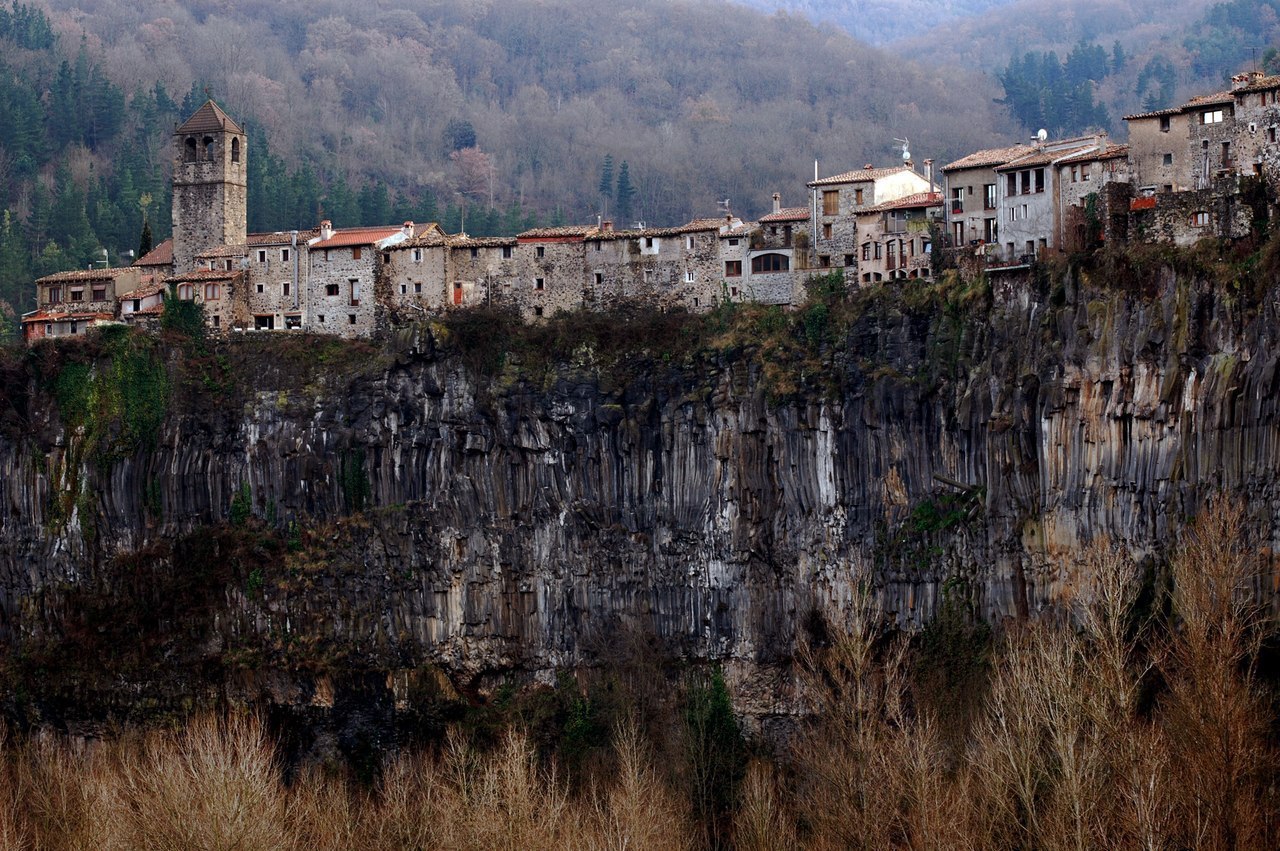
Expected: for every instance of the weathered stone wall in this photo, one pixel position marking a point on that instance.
(336, 268)
(520, 526)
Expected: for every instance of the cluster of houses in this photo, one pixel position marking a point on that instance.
(1178, 179)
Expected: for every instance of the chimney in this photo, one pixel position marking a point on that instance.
(928, 173)
(777, 202)
(1248, 78)
(407, 229)
(326, 229)
(607, 226)
(868, 167)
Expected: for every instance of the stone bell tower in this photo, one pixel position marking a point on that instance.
(209, 184)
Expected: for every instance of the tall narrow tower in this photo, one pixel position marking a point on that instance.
(209, 195)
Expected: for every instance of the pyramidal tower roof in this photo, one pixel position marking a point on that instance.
(209, 117)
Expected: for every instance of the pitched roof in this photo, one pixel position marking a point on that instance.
(1259, 84)
(989, 157)
(910, 202)
(1039, 158)
(474, 241)
(786, 214)
(204, 275)
(63, 312)
(1155, 113)
(83, 275)
(703, 224)
(281, 237)
(860, 175)
(209, 117)
(350, 237)
(557, 232)
(1110, 152)
(1208, 100)
(161, 255)
(143, 291)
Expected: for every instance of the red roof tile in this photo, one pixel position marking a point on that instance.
(143, 291)
(1110, 152)
(910, 202)
(351, 237)
(786, 214)
(989, 157)
(161, 255)
(60, 314)
(83, 275)
(859, 176)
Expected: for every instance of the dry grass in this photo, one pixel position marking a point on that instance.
(1098, 729)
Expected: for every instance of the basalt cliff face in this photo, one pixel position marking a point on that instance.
(302, 522)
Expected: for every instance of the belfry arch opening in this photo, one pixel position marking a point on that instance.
(189, 153)
(235, 150)
(208, 148)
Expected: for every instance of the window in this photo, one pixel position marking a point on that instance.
(990, 232)
(506, 252)
(1200, 219)
(957, 236)
(284, 255)
(404, 289)
(539, 283)
(770, 263)
(1226, 154)
(848, 260)
(733, 243)
(217, 321)
(890, 253)
(542, 251)
(648, 242)
(355, 253)
(857, 196)
(260, 288)
(75, 295)
(1212, 116)
(1026, 182)
(99, 293)
(733, 268)
(648, 276)
(284, 288)
(598, 245)
(688, 276)
(208, 148)
(186, 292)
(786, 235)
(417, 289)
(876, 248)
(1039, 180)
(1084, 172)
(189, 151)
(688, 243)
(957, 200)
(1271, 134)
(226, 265)
(331, 289)
(1167, 159)
(55, 295)
(137, 305)
(475, 252)
(826, 231)
(866, 250)
(537, 311)
(1164, 124)
(989, 196)
(831, 202)
(293, 321)
(235, 150)
(355, 291)
(320, 318)
(417, 255)
(1011, 180)
(351, 319)
(326, 255)
(211, 292)
(824, 260)
(599, 278)
(262, 255)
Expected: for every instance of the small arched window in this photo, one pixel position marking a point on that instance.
(235, 150)
(189, 154)
(208, 148)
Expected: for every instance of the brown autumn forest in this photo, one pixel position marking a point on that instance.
(1138, 716)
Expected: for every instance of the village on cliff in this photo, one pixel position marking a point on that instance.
(1182, 177)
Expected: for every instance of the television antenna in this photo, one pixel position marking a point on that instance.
(906, 149)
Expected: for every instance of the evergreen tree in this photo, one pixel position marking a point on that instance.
(1118, 59)
(375, 204)
(624, 193)
(144, 241)
(606, 180)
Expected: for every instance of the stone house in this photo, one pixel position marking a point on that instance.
(1029, 194)
(145, 304)
(1257, 122)
(222, 292)
(838, 199)
(1159, 157)
(1184, 218)
(897, 240)
(972, 208)
(158, 262)
(69, 303)
(551, 271)
(1079, 182)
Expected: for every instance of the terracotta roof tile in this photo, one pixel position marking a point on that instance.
(989, 157)
(204, 275)
(1260, 84)
(1155, 113)
(475, 241)
(281, 237)
(786, 214)
(557, 232)
(859, 176)
(910, 202)
(208, 118)
(144, 291)
(1207, 100)
(161, 255)
(350, 237)
(1039, 158)
(63, 312)
(1110, 152)
(84, 275)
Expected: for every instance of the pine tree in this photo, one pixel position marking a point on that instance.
(606, 179)
(144, 242)
(625, 193)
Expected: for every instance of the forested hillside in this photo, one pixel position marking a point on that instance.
(881, 21)
(422, 108)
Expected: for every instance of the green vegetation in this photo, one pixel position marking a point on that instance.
(1058, 96)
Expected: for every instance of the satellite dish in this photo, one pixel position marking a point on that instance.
(1042, 135)
(906, 152)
